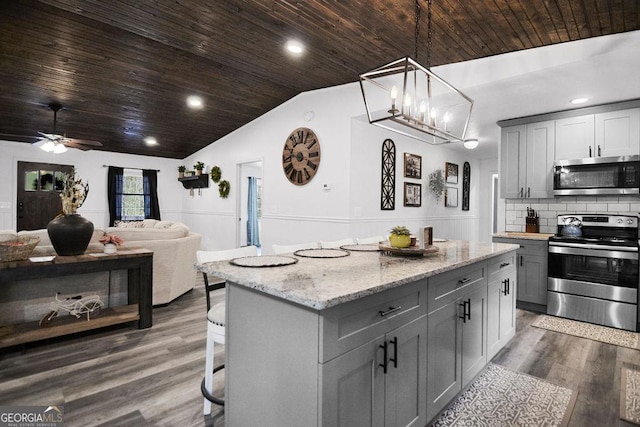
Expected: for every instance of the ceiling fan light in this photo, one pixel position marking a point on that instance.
(59, 148)
(48, 146)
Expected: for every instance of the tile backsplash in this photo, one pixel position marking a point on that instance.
(549, 209)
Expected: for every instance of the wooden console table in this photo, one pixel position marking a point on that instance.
(139, 266)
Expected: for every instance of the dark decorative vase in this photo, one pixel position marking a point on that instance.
(70, 234)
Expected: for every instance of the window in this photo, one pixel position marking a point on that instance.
(132, 195)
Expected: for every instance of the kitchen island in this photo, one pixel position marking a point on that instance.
(366, 339)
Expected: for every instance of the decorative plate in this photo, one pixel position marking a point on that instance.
(361, 248)
(321, 253)
(263, 261)
(410, 251)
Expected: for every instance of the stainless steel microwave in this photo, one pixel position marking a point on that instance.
(596, 176)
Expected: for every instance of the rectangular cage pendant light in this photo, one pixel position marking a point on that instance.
(407, 98)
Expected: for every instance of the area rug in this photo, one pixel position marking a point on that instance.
(502, 397)
(587, 330)
(630, 393)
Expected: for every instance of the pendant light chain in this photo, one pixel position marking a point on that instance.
(417, 33)
(429, 35)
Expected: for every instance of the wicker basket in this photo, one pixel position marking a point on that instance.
(17, 249)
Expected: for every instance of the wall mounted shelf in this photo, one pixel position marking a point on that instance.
(195, 181)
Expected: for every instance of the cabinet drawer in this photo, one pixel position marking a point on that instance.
(347, 326)
(532, 247)
(447, 287)
(500, 265)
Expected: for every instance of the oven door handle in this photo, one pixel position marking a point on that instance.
(594, 250)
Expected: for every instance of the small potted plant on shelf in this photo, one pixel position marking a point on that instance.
(181, 170)
(198, 167)
(400, 237)
(110, 242)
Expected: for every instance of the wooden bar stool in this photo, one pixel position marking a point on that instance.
(216, 318)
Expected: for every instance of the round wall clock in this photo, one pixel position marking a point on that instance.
(301, 156)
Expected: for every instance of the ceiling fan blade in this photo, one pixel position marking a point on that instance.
(72, 144)
(19, 138)
(81, 142)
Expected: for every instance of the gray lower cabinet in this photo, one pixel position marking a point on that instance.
(456, 337)
(501, 303)
(378, 383)
(395, 358)
(532, 269)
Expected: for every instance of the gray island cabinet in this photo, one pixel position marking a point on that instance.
(364, 340)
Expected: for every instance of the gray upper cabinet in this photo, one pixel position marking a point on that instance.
(575, 137)
(617, 133)
(612, 133)
(526, 160)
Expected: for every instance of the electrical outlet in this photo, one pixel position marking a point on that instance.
(5, 205)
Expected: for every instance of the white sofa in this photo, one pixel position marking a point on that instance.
(174, 252)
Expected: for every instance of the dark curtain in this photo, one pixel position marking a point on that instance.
(114, 193)
(150, 183)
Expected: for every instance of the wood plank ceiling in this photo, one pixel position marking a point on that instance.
(123, 68)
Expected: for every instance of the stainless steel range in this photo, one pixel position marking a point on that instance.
(593, 270)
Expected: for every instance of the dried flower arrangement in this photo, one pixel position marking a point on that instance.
(74, 193)
(111, 238)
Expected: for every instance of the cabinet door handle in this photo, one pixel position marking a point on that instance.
(589, 151)
(389, 311)
(599, 152)
(521, 192)
(520, 260)
(394, 341)
(384, 357)
(528, 191)
(505, 264)
(507, 287)
(464, 311)
(463, 281)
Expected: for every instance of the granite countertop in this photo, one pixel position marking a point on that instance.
(520, 235)
(321, 283)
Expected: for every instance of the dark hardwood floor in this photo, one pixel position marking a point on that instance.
(121, 376)
(590, 367)
(126, 376)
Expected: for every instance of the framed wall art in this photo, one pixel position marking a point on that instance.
(412, 194)
(451, 173)
(451, 197)
(388, 177)
(412, 166)
(466, 185)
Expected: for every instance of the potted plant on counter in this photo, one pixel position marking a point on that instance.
(400, 237)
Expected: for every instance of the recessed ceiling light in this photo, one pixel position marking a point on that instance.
(295, 47)
(195, 102)
(576, 101)
(470, 144)
(149, 140)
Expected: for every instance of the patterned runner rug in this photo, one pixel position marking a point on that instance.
(502, 397)
(587, 330)
(630, 393)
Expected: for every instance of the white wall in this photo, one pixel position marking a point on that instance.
(350, 167)
(89, 167)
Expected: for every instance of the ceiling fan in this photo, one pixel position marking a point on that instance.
(53, 142)
(57, 143)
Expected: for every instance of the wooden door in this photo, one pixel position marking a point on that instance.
(38, 193)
